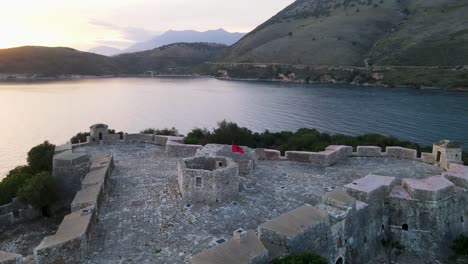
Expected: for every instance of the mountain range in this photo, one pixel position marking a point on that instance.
(386, 42)
(219, 36)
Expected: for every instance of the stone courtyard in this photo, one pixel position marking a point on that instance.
(144, 219)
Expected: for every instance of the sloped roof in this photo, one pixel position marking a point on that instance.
(99, 126)
(448, 144)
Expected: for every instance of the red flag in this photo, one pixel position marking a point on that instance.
(237, 149)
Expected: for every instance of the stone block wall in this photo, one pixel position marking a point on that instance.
(202, 180)
(16, 212)
(139, 138)
(427, 158)
(369, 151)
(68, 170)
(71, 242)
(401, 153)
(175, 149)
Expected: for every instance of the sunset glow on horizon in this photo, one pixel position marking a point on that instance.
(117, 23)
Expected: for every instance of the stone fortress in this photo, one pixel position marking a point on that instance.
(340, 203)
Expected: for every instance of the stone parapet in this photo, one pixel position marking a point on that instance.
(176, 149)
(139, 138)
(71, 242)
(244, 248)
(90, 196)
(401, 153)
(427, 158)
(458, 174)
(296, 231)
(369, 151)
(98, 176)
(430, 189)
(370, 188)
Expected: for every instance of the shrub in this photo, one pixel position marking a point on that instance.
(460, 246)
(12, 183)
(80, 137)
(40, 157)
(304, 139)
(303, 258)
(39, 191)
(163, 132)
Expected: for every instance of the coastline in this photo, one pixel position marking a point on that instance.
(29, 78)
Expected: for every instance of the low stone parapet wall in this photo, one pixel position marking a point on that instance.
(402, 153)
(71, 242)
(427, 158)
(175, 149)
(324, 158)
(89, 196)
(162, 140)
(369, 151)
(139, 138)
(16, 212)
(6, 220)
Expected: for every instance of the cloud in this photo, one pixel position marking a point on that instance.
(129, 35)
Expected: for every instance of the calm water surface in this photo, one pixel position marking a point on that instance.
(34, 112)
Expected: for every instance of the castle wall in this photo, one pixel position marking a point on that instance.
(175, 149)
(431, 225)
(16, 212)
(68, 170)
(205, 184)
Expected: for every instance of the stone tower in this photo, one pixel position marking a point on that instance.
(98, 132)
(68, 170)
(446, 152)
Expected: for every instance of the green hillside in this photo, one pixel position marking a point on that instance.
(177, 58)
(47, 61)
(350, 32)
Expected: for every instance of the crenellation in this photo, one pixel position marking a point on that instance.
(369, 151)
(346, 225)
(401, 153)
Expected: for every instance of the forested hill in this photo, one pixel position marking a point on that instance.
(353, 32)
(49, 62)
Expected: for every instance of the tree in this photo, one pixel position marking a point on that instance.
(40, 157)
(39, 191)
(460, 245)
(393, 250)
(10, 185)
(302, 258)
(163, 132)
(80, 137)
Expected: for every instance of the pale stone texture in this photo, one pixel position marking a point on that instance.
(369, 151)
(10, 258)
(208, 179)
(68, 170)
(247, 161)
(71, 242)
(147, 216)
(402, 153)
(247, 249)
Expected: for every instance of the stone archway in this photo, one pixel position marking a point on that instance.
(439, 155)
(339, 261)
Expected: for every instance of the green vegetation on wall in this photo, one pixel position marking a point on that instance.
(303, 139)
(163, 132)
(302, 258)
(460, 246)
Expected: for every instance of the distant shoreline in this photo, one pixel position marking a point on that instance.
(28, 78)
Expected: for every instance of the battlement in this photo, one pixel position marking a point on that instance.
(217, 189)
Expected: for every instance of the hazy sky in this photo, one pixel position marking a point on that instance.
(84, 24)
